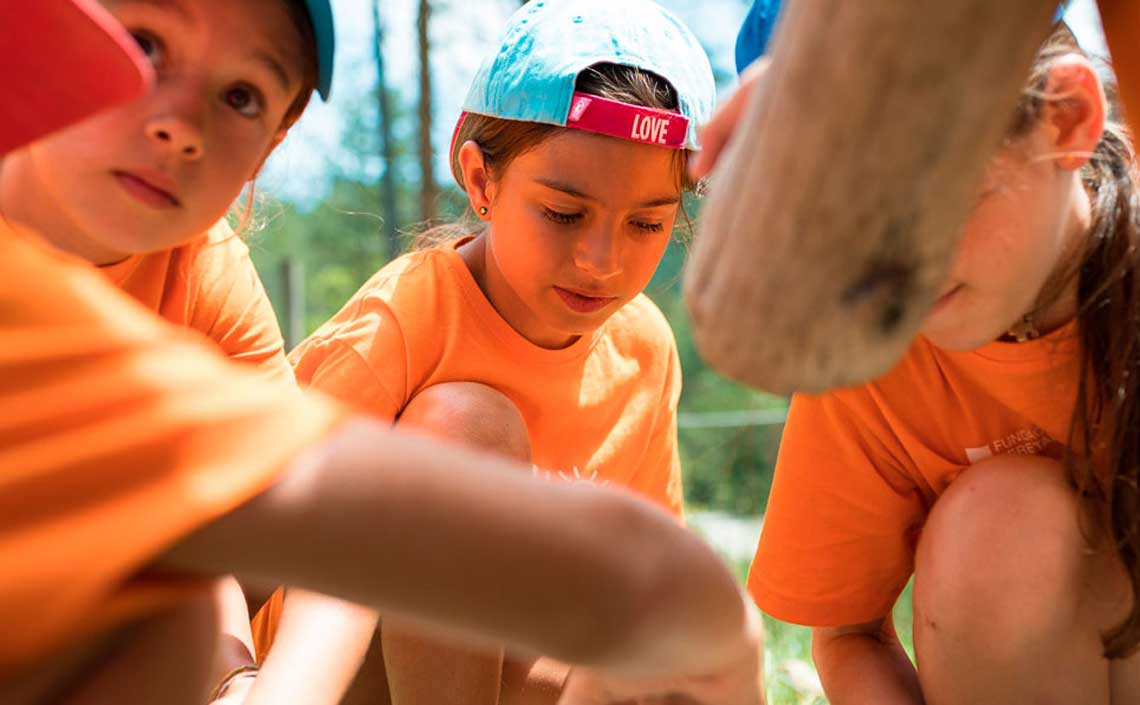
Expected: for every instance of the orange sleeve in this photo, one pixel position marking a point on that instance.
(837, 546)
(360, 358)
(659, 474)
(229, 304)
(119, 434)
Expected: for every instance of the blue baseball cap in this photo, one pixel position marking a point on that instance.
(320, 14)
(756, 32)
(531, 75)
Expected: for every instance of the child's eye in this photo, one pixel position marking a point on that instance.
(648, 227)
(245, 100)
(562, 218)
(151, 46)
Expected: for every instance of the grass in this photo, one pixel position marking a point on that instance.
(790, 645)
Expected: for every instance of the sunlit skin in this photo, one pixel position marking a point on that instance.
(577, 227)
(163, 169)
(1018, 252)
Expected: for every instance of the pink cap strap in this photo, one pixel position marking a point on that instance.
(627, 122)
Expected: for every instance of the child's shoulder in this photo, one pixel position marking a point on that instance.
(414, 275)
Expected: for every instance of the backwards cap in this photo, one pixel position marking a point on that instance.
(63, 61)
(531, 75)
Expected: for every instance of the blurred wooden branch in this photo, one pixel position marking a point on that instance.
(834, 213)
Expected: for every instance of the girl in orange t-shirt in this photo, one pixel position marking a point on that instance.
(141, 191)
(999, 461)
(135, 460)
(527, 332)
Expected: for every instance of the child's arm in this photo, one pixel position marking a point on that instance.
(308, 672)
(865, 663)
(639, 596)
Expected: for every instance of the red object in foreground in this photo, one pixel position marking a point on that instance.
(63, 61)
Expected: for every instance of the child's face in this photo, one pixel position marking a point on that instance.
(163, 169)
(1028, 219)
(578, 227)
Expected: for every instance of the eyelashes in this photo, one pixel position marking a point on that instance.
(560, 218)
(246, 100)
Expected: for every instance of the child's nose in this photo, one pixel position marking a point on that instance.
(176, 134)
(599, 252)
(177, 125)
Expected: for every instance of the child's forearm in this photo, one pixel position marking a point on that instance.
(319, 646)
(596, 577)
(865, 666)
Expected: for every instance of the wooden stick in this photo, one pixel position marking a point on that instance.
(833, 216)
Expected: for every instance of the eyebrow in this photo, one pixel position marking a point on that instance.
(178, 7)
(276, 68)
(571, 191)
(173, 6)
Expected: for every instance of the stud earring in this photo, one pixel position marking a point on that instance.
(483, 210)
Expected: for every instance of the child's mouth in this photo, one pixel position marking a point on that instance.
(146, 190)
(583, 303)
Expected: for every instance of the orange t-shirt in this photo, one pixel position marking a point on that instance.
(211, 286)
(603, 409)
(119, 433)
(859, 469)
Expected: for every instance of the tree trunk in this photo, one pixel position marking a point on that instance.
(833, 216)
(388, 204)
(427, 168)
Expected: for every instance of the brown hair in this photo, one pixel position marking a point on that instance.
(503, 141)
(1106, 421)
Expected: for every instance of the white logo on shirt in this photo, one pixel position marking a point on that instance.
(1026, 441)
(573, 476)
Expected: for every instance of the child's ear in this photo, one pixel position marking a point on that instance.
(476, 179)
(1074, 111)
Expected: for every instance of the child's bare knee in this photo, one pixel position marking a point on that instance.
(470, 413)
(1002, 552)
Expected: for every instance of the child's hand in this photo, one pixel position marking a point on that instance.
(720, 130)
(739, 683)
